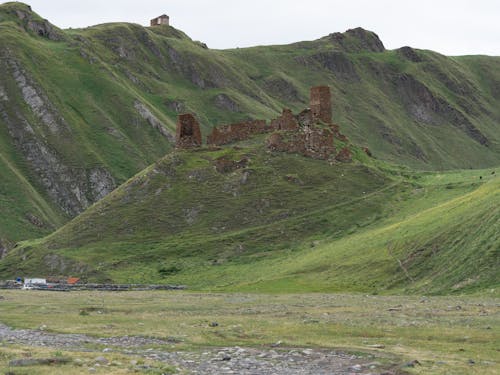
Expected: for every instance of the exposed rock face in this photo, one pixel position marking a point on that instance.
(358, 40)
(101, 183)
(176, 105)
(42, 28)
(204, 77)
(282, 89)
(224, 102)
(338, 63)
(409, 54)
(3, 95)
(188, 134)
(368, 40)
(37, 100)
(286, 121)
(225, 134)
(427, 108)
(321, 104)
(152, 120)
(73, 189)
(4, 248)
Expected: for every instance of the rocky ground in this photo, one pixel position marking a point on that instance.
(229, 360)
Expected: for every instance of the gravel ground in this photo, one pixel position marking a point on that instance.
(230, 360)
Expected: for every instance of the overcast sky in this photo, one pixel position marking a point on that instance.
(452, 27)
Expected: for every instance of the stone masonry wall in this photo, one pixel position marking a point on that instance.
(188, 134)
(225, 134)
(321, 104)
(286, 121)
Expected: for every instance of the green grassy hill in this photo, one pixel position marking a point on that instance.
(282, 223)
(85, 109)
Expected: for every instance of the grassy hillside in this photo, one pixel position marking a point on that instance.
(282, 223)
(85, 109)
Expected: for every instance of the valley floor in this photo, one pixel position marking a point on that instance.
(159, 332)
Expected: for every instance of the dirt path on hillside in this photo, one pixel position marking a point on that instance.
(212, 361)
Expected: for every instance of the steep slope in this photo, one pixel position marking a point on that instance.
(83, 110)
(246, 219)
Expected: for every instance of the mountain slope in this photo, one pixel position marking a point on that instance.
(281, 222)
(83, 110)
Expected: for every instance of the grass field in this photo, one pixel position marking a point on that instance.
(284, 223)
(443, 333)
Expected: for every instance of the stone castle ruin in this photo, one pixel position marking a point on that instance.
(310, 133)
(161, 20)
(187, 134)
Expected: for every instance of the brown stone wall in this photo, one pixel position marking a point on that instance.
(188, 134)
(225, 134)
(310, 141)
(321, 104)
(286, 121)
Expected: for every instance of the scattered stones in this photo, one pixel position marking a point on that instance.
(101, 360)
(38, 361)
(412, 363)
(213, 361)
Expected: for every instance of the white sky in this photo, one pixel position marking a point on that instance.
(452, 27)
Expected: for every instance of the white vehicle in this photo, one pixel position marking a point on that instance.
(31, 283)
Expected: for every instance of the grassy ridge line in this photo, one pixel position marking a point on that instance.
(373, 256)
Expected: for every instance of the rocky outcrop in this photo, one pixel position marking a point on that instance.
(3, 95)
(33, 23)
(72, 188)
(428, 108)
(176, 105)
(203, 76)
(409, 54)
(36, 99)
(226, 103)
(357, 40)
(281, 89)
(337, 63)
(152, 120)
(4, 247)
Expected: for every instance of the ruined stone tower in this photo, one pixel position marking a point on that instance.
(162, 20)
(188, 134)
(321, 104)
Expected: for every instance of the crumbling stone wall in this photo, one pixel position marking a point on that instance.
(310, 133)
(188, 134)
(225, 134)
(286, 121)
(321, 105)
(312, 142)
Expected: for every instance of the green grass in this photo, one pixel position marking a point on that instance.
(442, 333)
(295, 225)
(93, 76)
